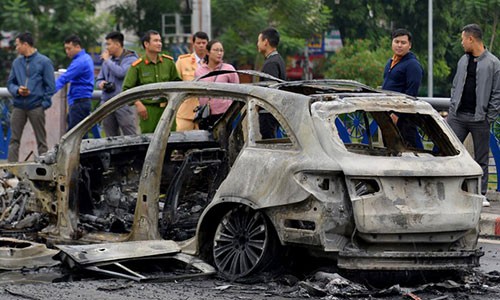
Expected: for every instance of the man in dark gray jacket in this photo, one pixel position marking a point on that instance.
(116, 61)
(475, 97)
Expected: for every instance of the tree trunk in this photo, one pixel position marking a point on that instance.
(493, 31)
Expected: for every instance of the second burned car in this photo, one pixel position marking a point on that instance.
(339, 181)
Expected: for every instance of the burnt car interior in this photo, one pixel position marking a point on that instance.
(376, 133)
(194, 166)
(109, 181)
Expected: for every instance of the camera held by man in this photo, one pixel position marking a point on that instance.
(109, 87)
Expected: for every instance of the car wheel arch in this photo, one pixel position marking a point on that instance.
(260, 239)
(213, 214)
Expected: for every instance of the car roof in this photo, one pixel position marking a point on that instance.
(310, 87)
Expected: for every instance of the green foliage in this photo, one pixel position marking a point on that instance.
(126, 16)
(14, 13)
(360, 60)
(50, 22)
(375, 19)
(142, 15)
(486, 13)
(237, 23)
(358, 19)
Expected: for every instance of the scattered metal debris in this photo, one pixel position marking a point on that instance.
(120, 259)
(19, 254)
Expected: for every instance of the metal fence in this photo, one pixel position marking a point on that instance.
(4, 93)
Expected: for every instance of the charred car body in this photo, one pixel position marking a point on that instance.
(338, 181)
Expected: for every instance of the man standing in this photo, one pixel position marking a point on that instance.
(274, 65)
(475, 97)
(186, 66)
(150, 68)
(80, 74)
(403, 73)
(116, 60)
(31, 83)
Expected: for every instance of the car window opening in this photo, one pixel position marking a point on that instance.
(392, 134)
(271, 131)
(195, 164)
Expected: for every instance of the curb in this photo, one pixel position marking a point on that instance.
(492, 195)
(489, 225)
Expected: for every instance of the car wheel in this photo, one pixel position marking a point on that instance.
(244, 243)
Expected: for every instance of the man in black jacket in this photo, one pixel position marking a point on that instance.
(274, 65)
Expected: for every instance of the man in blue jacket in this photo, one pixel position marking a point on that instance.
(31, 83)
(403, 73)
(80, 74)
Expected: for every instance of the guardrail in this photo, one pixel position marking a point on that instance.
(96, 95)
(439, 104)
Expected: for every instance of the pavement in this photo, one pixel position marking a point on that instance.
(489, 223)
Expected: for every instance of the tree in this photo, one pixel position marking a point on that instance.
(374, 19)
(359, 19)
(296, 20)
(360, 60)
(486, 14)
(50, 22)
(142, 15)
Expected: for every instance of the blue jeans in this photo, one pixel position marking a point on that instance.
(77, 112)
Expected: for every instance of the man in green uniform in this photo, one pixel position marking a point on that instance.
(150, 68)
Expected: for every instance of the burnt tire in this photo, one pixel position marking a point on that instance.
(244, 243)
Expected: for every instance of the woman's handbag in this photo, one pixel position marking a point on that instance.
(201, 114)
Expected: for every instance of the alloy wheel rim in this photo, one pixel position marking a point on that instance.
(240, 242)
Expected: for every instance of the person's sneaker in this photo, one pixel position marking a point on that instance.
(486, 203)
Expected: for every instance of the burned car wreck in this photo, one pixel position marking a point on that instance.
(337, 181)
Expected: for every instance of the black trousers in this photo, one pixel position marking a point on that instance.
(462, 125)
